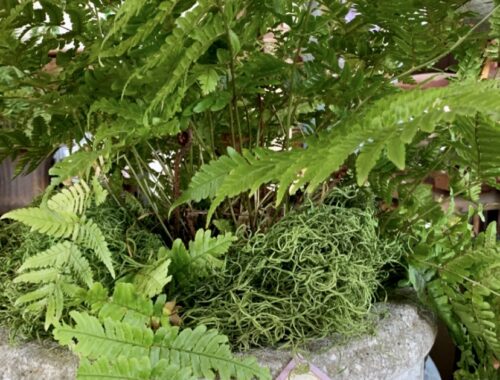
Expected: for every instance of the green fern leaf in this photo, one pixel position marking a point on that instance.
(94, 340)
(204, 37)
(89, 235)
(100, 194)
(151, 279)
(206, 352)
(122, 368)
(77, 164)
(387, 125)
(478, 148)
(126, 305)
(131, 369)
(208, 179)
(42, 275)
(45, 221)
(205, 251)
(59, 255)
(190, 265)
(74, 199)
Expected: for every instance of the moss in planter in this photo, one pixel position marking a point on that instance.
(312, 274)
(131, 244)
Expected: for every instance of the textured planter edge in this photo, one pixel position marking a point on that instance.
(403, 338)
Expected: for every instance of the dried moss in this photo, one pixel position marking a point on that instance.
(312, 274)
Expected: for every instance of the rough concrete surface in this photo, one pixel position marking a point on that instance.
(397, 350)
(34, 361)
(404, 335)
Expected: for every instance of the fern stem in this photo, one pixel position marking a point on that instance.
(232, 72)
(452, 48)
(296, 58)
(145, 190)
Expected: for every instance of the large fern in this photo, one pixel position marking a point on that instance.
(387, 126)
(60, 268)
(114, 340)
(466, 292)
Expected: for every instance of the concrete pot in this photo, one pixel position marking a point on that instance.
(397, 350)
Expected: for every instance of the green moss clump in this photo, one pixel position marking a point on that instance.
(131, 244)
(314, 273)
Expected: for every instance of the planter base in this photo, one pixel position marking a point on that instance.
(397, 351)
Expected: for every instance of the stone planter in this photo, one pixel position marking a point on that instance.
(403, 337)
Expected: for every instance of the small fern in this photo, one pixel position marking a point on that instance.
(61, 267)
(117, 338)
(191, 264)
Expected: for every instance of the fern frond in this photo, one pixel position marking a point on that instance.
(131, 369)
(190, 265)
(95, 340)
(478, 148)
(466, 294)
(209, 178)
(58, 256)
(100, 194)
(205, 250)
(45, 221)
(202, 350)
(204, 37)
(122, 368)
(88, 234)
(127, 305)
(206, 351)
(74, 199)
(386, 126)
(163, 10)
(77, 164)
(151, 279)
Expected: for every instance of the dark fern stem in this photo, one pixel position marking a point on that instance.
(185, 139)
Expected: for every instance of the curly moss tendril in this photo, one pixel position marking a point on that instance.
(312, 274)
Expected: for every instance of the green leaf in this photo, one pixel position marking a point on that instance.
(208, 81)
(126, 305)
(396, 152)
(77, 164)
(151, 279)
(45, 221)
(114, 338)
(235, 42)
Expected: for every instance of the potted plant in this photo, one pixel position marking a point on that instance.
(226, 121)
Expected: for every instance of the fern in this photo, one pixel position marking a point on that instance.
(388, 126)
(117, 337)
(133, 369)
(151, 279)
(190, 265)
(77, 164)
(60, 268)
(465, 291)
(477, 148)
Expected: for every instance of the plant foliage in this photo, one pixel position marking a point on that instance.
(62, 268)
(119, 339)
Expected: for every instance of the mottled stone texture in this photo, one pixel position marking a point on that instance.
(33, 361)
(403, 337)
(481, 7)
(396, 351)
